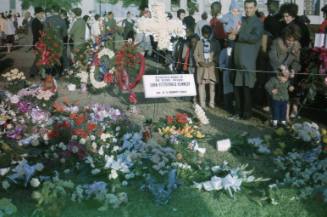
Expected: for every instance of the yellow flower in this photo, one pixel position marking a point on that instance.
(188, 135)
(324, 132)
(199, 135)
(167, 131)
(3, 118)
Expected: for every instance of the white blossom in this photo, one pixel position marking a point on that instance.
(35, 182)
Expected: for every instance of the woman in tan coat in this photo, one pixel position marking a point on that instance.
(206, 55)
(286, 51)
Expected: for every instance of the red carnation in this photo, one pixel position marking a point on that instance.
(79, 120)
(132, 98)
(80, 133)
(53, 134)
(181, 118)
(170, 119)
(108, 78)
(91, 127)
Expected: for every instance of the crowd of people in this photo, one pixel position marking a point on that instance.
(11, 24)
(252, 57)
(225, 52)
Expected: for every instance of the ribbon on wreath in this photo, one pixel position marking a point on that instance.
(123, 79)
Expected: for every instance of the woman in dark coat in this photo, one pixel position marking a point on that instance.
(289, 12)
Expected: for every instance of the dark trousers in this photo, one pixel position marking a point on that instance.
(228, 102)
(243, 101)
(279, 109)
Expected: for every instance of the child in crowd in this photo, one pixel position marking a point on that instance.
(205, 56)
(278, 87)
(233, 19)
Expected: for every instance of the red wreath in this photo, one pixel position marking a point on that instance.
(122, 77)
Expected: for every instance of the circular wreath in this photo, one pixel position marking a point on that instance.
(128, 58)
(96, 63)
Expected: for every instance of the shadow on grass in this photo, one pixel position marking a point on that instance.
(184, 202)
(263, 167)
(5, 63)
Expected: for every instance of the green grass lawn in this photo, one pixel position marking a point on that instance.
(190, 202)
(187, 201)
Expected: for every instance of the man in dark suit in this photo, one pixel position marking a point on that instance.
(247, 44)
(37, 28)
(37, 24)
(59, 27)
(56, 23)
(272, 24)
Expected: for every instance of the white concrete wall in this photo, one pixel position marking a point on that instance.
(119, 11)
(314, 19)
(5, 6)
(88, 5)
(166, 2)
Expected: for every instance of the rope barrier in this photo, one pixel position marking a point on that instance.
(240, 70)
(177, 62)
(30, 45)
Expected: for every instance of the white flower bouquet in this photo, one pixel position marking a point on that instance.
(15, 80)
(307, 132)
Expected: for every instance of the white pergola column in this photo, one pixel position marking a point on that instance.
(183, 4)
(201, 4)
(166, 2)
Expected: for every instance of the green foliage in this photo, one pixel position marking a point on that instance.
(140, 3)
(52, 197)
(49, 3)
(192, 6)
(7, 208)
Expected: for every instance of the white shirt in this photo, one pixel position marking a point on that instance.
(95, 29)
(10, 28)
(87, 33)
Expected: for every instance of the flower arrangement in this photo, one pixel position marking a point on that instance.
(48, 51)
(129, 69)
(83, 54)
(42, 95)
(315, 65)
(160, 27)
(15, 80)
(228, 179)
(179, 125)
(99, 192)
(23, 121)
(260, 145)
(14, 75)
(97, 74)
(52, 196)
(24, 171)
(200, 114)
(307, 132)
(305, 171)
(103, 69)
